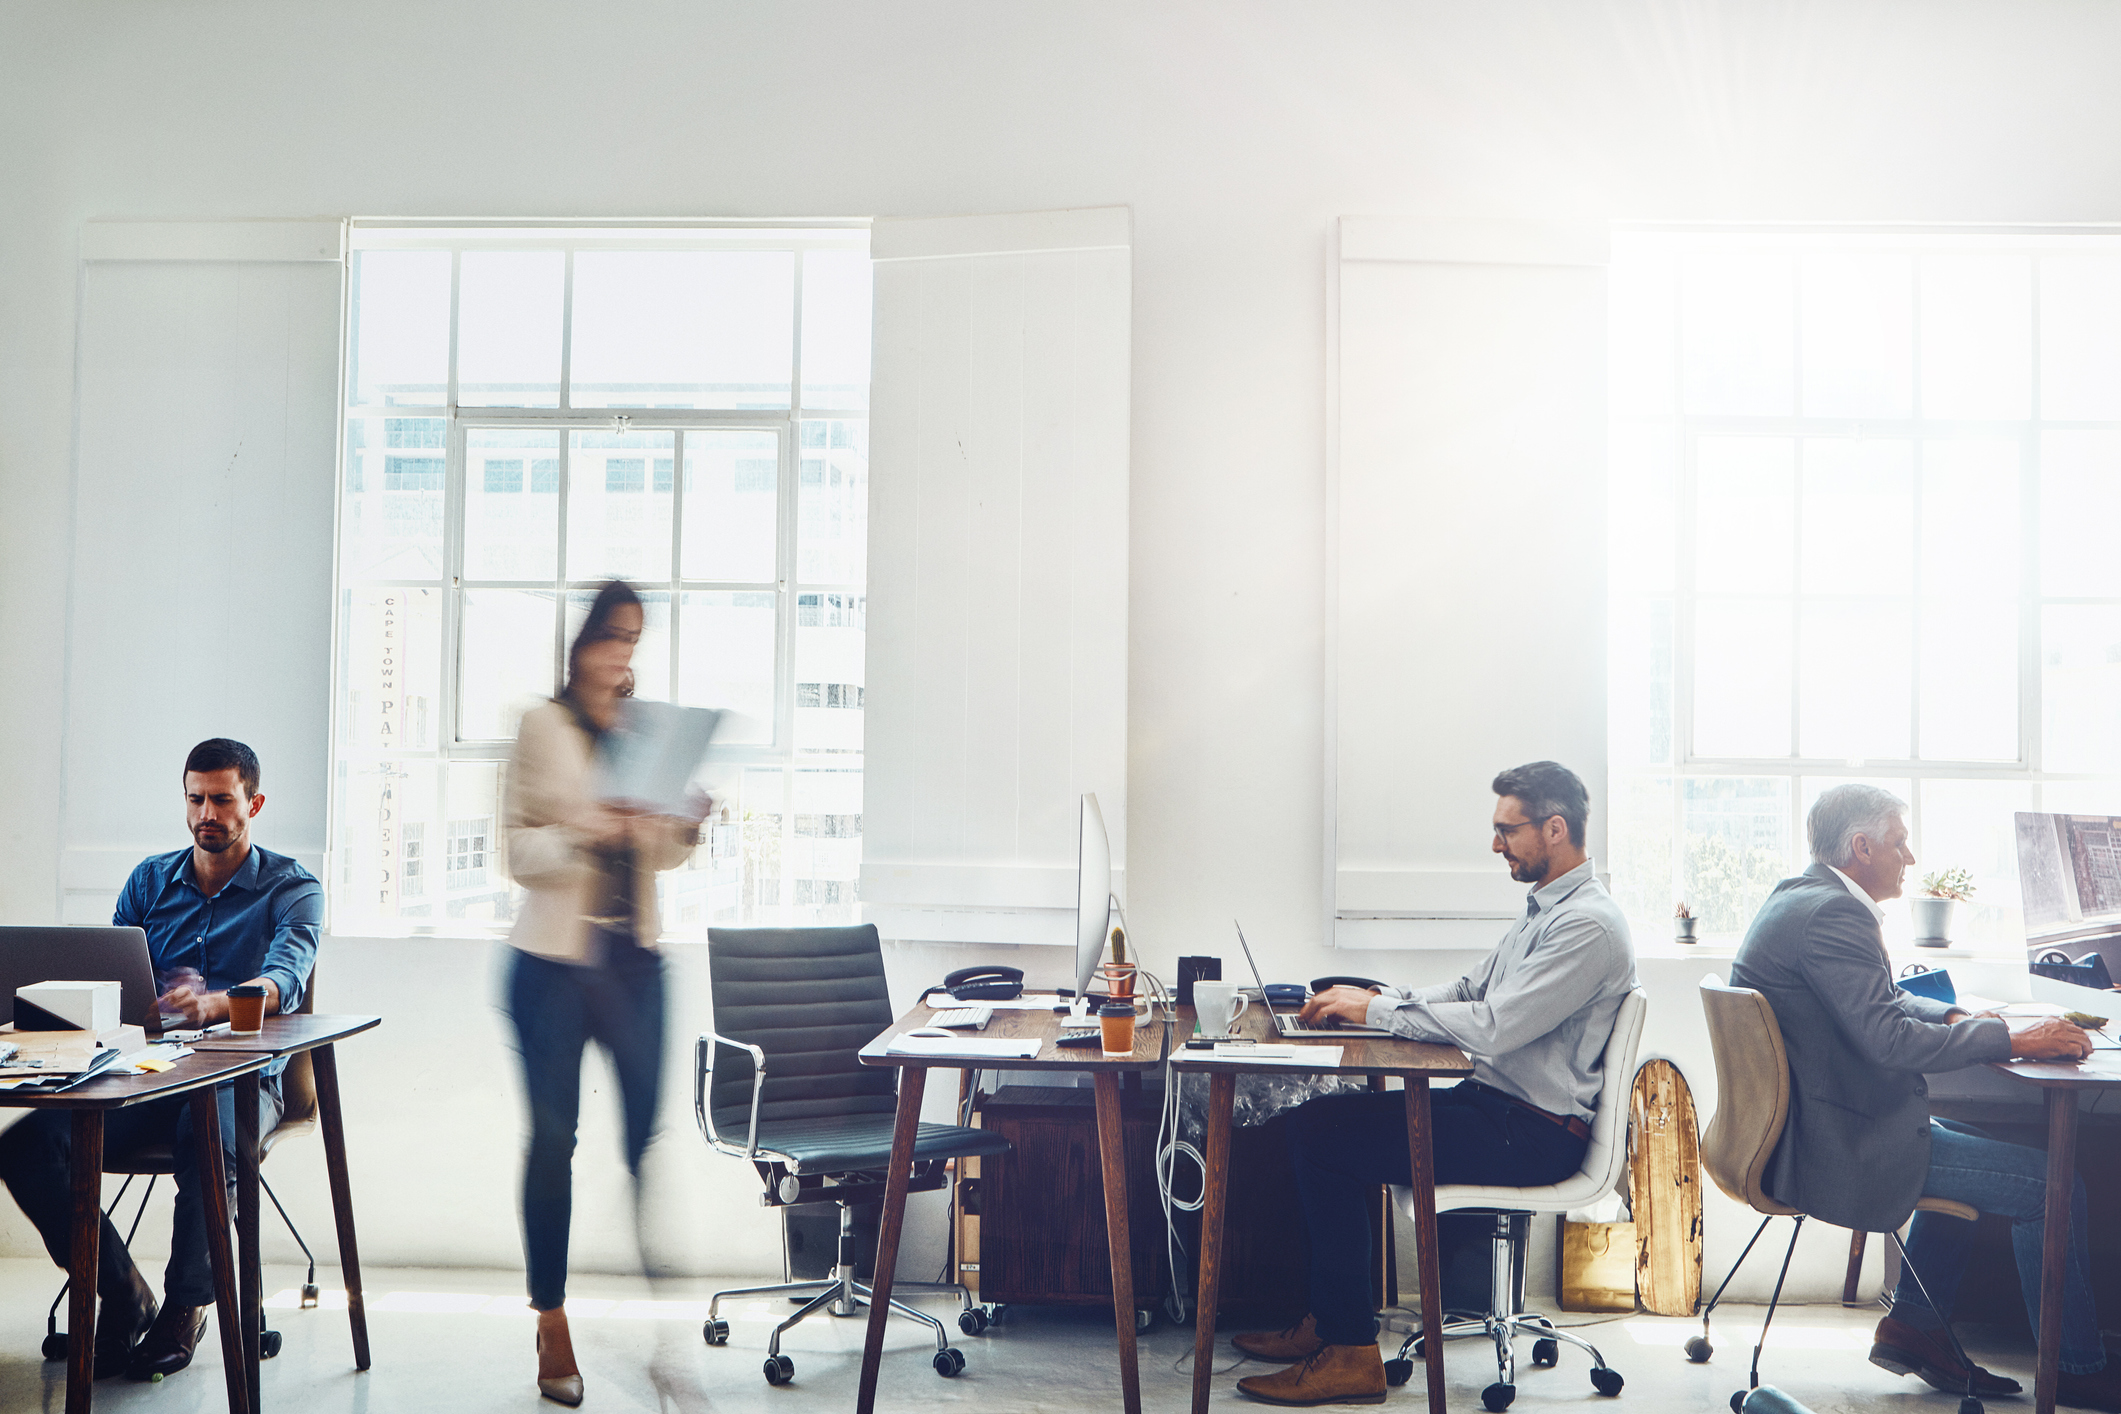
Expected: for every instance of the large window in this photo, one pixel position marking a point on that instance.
(533, 411)
(1862, 489)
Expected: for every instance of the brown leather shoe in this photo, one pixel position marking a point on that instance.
(1334, 1374)
(1298, 1342)
(2099, 1390)
(168, 1345)
(121, 1319)
(1901, 1348)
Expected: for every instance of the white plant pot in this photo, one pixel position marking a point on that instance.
(1933, 921)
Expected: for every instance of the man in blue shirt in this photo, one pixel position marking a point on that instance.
(223, 912)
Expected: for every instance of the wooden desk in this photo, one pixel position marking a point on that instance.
(1415, 1064)
(2061, 1083)
(286, 1036)
(195, 1075)
(1150, 1042)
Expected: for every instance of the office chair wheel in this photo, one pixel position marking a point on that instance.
(1497, 1397)
(268, 1344)
(1698, 1350)
(1398, 1372)
(715, 1332)
(1738, 1401)
(1546, 1353)
(55, 1346)
(1969, 1405)
(309, 1296)
(1606, 1380)
(949, 1363)
(972, 1322)
(779, 1369)
(1144, 1320)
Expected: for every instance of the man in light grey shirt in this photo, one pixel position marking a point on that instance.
(1534, 1016)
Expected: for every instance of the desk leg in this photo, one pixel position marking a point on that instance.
(326, 1069)
(1421, 1157)
(2054, 1257)
(1387, 1288)
(1222, 1095)
(250, 1300)
(86, 1173)
(213, 1192)
(905, 1126)
(1112, 1152)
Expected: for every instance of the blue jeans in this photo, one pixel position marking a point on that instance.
(1345, 1145)
(557, 1009)
(2009, 1180)
(35, 1161)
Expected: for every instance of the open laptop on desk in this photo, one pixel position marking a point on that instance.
(32, 955)
(1288, 1023)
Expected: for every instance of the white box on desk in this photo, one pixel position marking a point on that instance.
(84, 1006)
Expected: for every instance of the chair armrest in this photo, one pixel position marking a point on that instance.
(703, 1075)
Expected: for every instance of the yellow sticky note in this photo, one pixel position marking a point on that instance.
(149, 1063)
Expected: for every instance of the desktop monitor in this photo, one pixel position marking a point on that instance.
(1093, 894)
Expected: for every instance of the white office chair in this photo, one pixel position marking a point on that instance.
(1603, 1163)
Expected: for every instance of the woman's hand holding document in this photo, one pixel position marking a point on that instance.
(647, 762)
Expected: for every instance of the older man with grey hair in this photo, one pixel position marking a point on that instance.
(1860, 1145)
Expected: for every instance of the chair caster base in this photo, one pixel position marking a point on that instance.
(715, 1332)
(779, 1369)
(1738, 1401)
(1398, 1372)
(1497, 1397)
(309, 1296)
(949, 1363)
(972, 1322)
(1698, 1350)
(1970, 1405)
(268, 1344)
(1607, 1381)
(1546, 1353)
(55, 1346)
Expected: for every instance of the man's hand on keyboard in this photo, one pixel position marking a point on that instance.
(1339, 1004)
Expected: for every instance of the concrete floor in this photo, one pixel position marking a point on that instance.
(461, 1341)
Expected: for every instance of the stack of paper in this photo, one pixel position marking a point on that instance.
(1308, 1056)
(912, 1044)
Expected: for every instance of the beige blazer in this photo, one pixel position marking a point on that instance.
(549, 782)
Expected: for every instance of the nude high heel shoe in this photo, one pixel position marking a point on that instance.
(560, 1389)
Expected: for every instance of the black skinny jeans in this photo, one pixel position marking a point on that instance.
(557, 1009)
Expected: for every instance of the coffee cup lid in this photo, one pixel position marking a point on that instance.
(247, 989)
(1116, 1009)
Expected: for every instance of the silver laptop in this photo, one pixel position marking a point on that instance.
(1288, 1023)
(32, 955)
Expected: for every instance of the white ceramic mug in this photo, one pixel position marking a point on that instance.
(1218, 1005)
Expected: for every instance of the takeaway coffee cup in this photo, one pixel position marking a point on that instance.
(1116, 1019)
(246, 1009)
(1218, 1004)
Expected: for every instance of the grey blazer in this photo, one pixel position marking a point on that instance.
(1856, 1150)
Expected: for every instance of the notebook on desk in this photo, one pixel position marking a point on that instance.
(1289, 1023)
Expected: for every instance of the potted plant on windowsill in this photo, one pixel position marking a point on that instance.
(1683, 924)
(1932, 908)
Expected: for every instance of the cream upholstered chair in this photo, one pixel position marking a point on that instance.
(1603, 1163)
(1752, 1105)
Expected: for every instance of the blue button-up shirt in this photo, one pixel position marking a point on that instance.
(263, 923)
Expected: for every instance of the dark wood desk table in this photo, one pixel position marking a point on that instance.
(1416, 1064)
(1150, 1042)
(2061, 1084)
(286, 1036)
(196, 1076)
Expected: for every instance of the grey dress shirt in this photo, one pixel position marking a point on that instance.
(1536, 1015)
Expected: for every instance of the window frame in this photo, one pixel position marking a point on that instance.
(458, 422)
(1919, 429)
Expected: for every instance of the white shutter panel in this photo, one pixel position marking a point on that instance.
(1471, 469)
(207, 425)
(997, 624)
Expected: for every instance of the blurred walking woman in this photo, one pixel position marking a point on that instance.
(585, 967)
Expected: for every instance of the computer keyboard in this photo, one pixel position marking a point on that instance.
(975, 1016)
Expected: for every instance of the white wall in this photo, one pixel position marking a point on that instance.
(1236, 133)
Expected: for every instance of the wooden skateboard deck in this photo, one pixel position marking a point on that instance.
(1664, 1189)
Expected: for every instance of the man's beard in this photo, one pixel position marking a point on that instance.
(213, 842)
(1526, 872)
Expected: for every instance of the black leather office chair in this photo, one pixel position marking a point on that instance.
(777, 1083)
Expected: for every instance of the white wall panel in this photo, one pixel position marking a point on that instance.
(1470, 630)
(998, 570)
(201, 592)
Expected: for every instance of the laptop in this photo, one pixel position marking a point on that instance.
(1288, 1023)
(32, 955)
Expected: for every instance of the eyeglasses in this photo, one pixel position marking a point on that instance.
(1504, 831)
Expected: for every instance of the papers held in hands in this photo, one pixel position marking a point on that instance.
(934, 1041)
(648, 760)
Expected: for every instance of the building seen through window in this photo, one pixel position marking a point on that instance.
(533, 411)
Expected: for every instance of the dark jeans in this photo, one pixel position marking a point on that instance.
(1344, 1146)
(34, 1161)
(557, 1009)
(2009, 1180)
